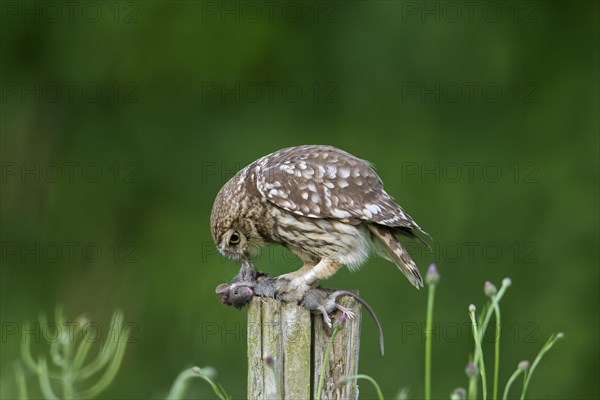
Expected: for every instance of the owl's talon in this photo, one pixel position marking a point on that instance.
(291, 290)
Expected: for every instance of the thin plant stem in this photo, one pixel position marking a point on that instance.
(428, 337)
(472, 392)
(112, 368)
(511, 380)
(472, 388)
(497, 351)
(336, 329)
(495, 301)
(367, 377)
(180, 385)
(108, 349)
(553, 339)
(67, 373)
(21, 385)
(45, 381)
(478, 357)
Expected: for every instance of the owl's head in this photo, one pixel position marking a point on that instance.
(234, 232)
(235, 244)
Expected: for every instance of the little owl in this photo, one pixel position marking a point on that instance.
(323, 204)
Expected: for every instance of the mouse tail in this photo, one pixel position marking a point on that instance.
(340, 293)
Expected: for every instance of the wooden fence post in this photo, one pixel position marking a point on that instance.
(297, 340)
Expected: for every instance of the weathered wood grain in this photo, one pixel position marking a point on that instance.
(297, 341)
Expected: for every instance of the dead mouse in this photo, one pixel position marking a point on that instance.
(235, 294)
(325, 301)
(317, 300)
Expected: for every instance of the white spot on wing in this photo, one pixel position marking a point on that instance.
(373, 208)
(337, 213)
(320, 172)
(344, 172)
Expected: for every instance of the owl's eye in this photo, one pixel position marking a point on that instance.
(235, 238)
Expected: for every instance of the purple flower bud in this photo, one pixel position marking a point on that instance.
(471, 370)
(523, 365)
(506, 282)
(270, 361)
(472, 308)
(341, 321)
(489, 289)
(459, 394)
(432, 277)
(343, 318)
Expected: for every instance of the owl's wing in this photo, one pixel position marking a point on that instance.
(325, 182)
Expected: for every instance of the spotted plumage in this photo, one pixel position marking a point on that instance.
(322, 203)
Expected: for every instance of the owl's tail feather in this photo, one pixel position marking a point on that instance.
(390, 248)
(411, 234)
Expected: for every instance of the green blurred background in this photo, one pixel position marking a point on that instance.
(481, 120)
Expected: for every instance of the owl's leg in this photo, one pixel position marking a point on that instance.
(291, 286)
(295, 289)
(293, 275)
(323, 270)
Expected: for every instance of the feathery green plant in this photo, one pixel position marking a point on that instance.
(68, 355)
